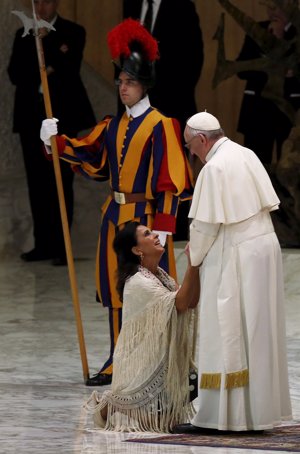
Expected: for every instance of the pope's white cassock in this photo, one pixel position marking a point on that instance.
(243, 379)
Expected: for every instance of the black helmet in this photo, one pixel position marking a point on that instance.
(136, 50)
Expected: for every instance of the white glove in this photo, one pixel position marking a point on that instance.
(162, 236)
(48, 129)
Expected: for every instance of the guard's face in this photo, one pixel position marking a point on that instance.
(46, 9)
(131, 90)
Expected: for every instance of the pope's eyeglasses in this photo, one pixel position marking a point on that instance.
(188, 144)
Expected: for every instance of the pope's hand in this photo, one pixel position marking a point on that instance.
(48, 129)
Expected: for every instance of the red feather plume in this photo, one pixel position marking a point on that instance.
(127, 32)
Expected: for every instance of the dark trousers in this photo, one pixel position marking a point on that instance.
(262, 143)
(182, 222)
(264, 126)
(43, 197)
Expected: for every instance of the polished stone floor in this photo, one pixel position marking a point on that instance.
(41, 379)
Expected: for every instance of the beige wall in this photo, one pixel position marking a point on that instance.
(99, 16)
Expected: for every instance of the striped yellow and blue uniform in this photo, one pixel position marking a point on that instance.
(139, 155)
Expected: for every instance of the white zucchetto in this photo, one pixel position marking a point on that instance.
(203, 121)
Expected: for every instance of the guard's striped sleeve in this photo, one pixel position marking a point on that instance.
(172, 179)
(87, 155)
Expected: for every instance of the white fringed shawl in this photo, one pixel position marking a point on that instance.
(151, 362)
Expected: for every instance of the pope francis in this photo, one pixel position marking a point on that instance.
(242, 364)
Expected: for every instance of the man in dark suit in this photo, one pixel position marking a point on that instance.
(261, 135)
(63, 51)
(175, 25)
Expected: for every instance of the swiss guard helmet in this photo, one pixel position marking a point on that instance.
(134, 51)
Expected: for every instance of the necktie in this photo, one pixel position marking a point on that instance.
(149, 16)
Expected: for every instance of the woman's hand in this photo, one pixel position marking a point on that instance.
(189, 292)
(187, 253)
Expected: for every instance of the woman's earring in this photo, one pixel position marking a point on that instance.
(141, 258)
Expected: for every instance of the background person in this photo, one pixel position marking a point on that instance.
(63, 52)
(260, 135)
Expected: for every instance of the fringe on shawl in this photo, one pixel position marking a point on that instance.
(155, 416)
(157, 337)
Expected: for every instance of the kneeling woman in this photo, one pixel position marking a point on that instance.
(150, 389)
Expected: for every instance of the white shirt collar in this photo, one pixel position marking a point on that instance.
(139, 108)
(156, 5)
(214, 148)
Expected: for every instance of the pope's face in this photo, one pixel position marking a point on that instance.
(46, 9)
(197, 145)
(131, 90)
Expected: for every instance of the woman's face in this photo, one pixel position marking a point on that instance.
(148, 242)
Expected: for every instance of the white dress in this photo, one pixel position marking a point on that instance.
(150, 388)
(242, 365)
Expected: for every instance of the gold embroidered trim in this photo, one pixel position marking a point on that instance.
(210, 381)
(232, 380)
(237, 379)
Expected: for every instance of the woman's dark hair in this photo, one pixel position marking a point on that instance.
(128, 262)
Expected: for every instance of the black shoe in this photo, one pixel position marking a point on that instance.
(35, 255)
(59, 261)
(99, 380)
(191, 429)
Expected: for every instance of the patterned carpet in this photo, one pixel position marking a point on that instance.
(285, 438)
